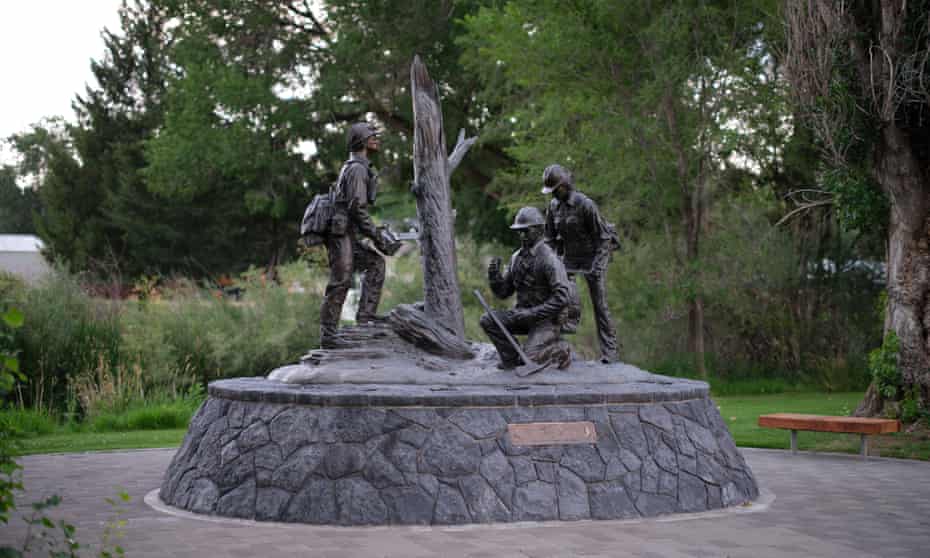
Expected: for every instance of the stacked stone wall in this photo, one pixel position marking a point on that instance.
(452, 465)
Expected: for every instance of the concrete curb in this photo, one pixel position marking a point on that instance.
(762, 504)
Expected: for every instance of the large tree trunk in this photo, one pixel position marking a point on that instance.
(431, 171)
(908, 266)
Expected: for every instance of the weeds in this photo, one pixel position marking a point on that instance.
(108, 388)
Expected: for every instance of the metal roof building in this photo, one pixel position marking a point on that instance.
(21, 254)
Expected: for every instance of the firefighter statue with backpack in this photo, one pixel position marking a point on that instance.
(339, 220)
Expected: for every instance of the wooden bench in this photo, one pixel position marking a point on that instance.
(819, 423)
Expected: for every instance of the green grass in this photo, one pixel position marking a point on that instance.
(26, 422)
(741, 413)
(144, 425)
(156, 416)
(70, 442)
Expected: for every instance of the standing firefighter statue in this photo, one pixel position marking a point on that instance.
(341, 220)
(582, 238)
(538, 277)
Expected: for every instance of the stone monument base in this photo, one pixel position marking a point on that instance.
(637, 445)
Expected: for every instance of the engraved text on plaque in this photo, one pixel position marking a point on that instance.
(548, 433)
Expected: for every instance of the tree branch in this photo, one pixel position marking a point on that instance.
(317, 28)
(461, 148)
(804, 207)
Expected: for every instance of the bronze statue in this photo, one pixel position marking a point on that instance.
(349, 225)
(584, 241)
(538, 277)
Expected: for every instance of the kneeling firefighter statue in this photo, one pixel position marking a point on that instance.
(538, 277)
(346, 228)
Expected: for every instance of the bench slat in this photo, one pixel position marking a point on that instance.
(821, 423)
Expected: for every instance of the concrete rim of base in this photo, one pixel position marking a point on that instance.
(261, 390)
(761, 504)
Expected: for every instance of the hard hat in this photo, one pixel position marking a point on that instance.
(554, 176)
(358, 133)
(528, 217)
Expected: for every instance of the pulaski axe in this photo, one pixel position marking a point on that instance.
(528, 367)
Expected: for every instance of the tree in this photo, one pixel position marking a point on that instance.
(96, 208)
(17, 205)
(860, 71)
(643, 99)
(228, 147)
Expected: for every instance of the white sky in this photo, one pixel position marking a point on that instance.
(45, 51)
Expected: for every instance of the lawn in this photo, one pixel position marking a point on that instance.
(741, 414)
(67, 442)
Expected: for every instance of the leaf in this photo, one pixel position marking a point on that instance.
(11, 364)
(13, 318)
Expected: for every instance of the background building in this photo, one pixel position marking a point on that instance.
(21, 254)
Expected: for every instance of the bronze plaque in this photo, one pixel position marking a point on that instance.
(550, 433)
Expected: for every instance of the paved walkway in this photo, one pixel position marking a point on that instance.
(825, 505)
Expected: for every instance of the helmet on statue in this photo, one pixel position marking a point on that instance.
(358, 134)
(528, 217)
(555, 176)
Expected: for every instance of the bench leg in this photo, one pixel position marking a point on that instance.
(794, 441)
(863, 445)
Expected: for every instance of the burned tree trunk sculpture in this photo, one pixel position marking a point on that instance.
(432, 169)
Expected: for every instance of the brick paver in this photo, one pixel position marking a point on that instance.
(825, 505)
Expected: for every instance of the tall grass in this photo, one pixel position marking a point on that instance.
(66, 335)
(202, 338)
(88, 357)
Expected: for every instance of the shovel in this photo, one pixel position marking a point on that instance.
(528, 367)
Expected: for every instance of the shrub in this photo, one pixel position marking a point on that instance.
(883, 364)
(82, 355)
(26, 422)
(10, 320)
(202, 336)
(769, 312)
(68, 334)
